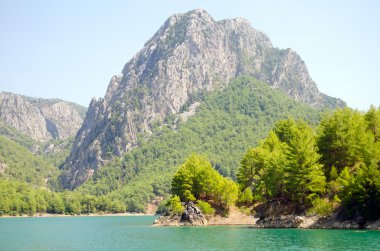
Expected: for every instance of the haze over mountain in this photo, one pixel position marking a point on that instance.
(190, 56)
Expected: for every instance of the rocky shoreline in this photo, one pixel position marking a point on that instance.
(314, 222)
(288, 221)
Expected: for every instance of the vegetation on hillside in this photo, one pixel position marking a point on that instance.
(16, 136)
(54, 157)
(289, 168)
(17, 198)
(318, 167)
(226, 124)
(20, 164)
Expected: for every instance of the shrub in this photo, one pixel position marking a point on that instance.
(321, 207)
(245, 197)
(174, 205)
(205, 208)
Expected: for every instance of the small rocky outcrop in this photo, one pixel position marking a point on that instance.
(40, 119)
(282, 221)
(192, 216)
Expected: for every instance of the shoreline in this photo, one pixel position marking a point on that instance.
(301, 223)
(238, 219)
(47, 215)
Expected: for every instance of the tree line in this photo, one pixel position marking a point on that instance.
(18, 198)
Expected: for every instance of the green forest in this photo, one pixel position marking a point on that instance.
(333, 167)
(247, 144)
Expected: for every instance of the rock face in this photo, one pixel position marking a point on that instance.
(40, 119)
(192, 216)
(189, 55)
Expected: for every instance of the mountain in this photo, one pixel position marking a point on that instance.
(39, 119)
(226, 123)
(189, 57)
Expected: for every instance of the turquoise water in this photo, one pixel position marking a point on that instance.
(137, 233)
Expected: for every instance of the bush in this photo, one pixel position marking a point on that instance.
(321, 207)
(245, 197)
(1, 213)
(174, 205)
(245, 210)
(205, 208)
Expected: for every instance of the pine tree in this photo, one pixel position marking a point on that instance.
(344, 140)
(304, 175)
(372, 118)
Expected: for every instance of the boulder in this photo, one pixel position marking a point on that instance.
(191, 216)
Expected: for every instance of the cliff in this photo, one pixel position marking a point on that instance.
(40, 119)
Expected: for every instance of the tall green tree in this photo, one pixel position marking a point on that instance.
(285, 165)
(262, 170)
(305, 179)
(343, 140)
(372, 118)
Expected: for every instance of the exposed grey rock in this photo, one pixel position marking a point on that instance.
(40, 119)
(189, 54)
(282, 221)
(375, 225)
(192, 216)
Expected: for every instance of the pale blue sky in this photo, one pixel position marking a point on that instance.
(71, 49)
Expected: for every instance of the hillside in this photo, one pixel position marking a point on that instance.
(227, 123)
(189, 56)
(46, 127)
(18, 163)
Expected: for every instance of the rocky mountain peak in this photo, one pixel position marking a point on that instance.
(190, 54)
(40, 119)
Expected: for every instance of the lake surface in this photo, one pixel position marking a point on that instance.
(137, 233)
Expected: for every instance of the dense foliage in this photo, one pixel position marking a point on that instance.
(227, 123)
(23, 198)
(197, 180)
(350, 148)
(335, 165)
(19, 163)
(55, 157)
(284, 166)
(338, 166)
